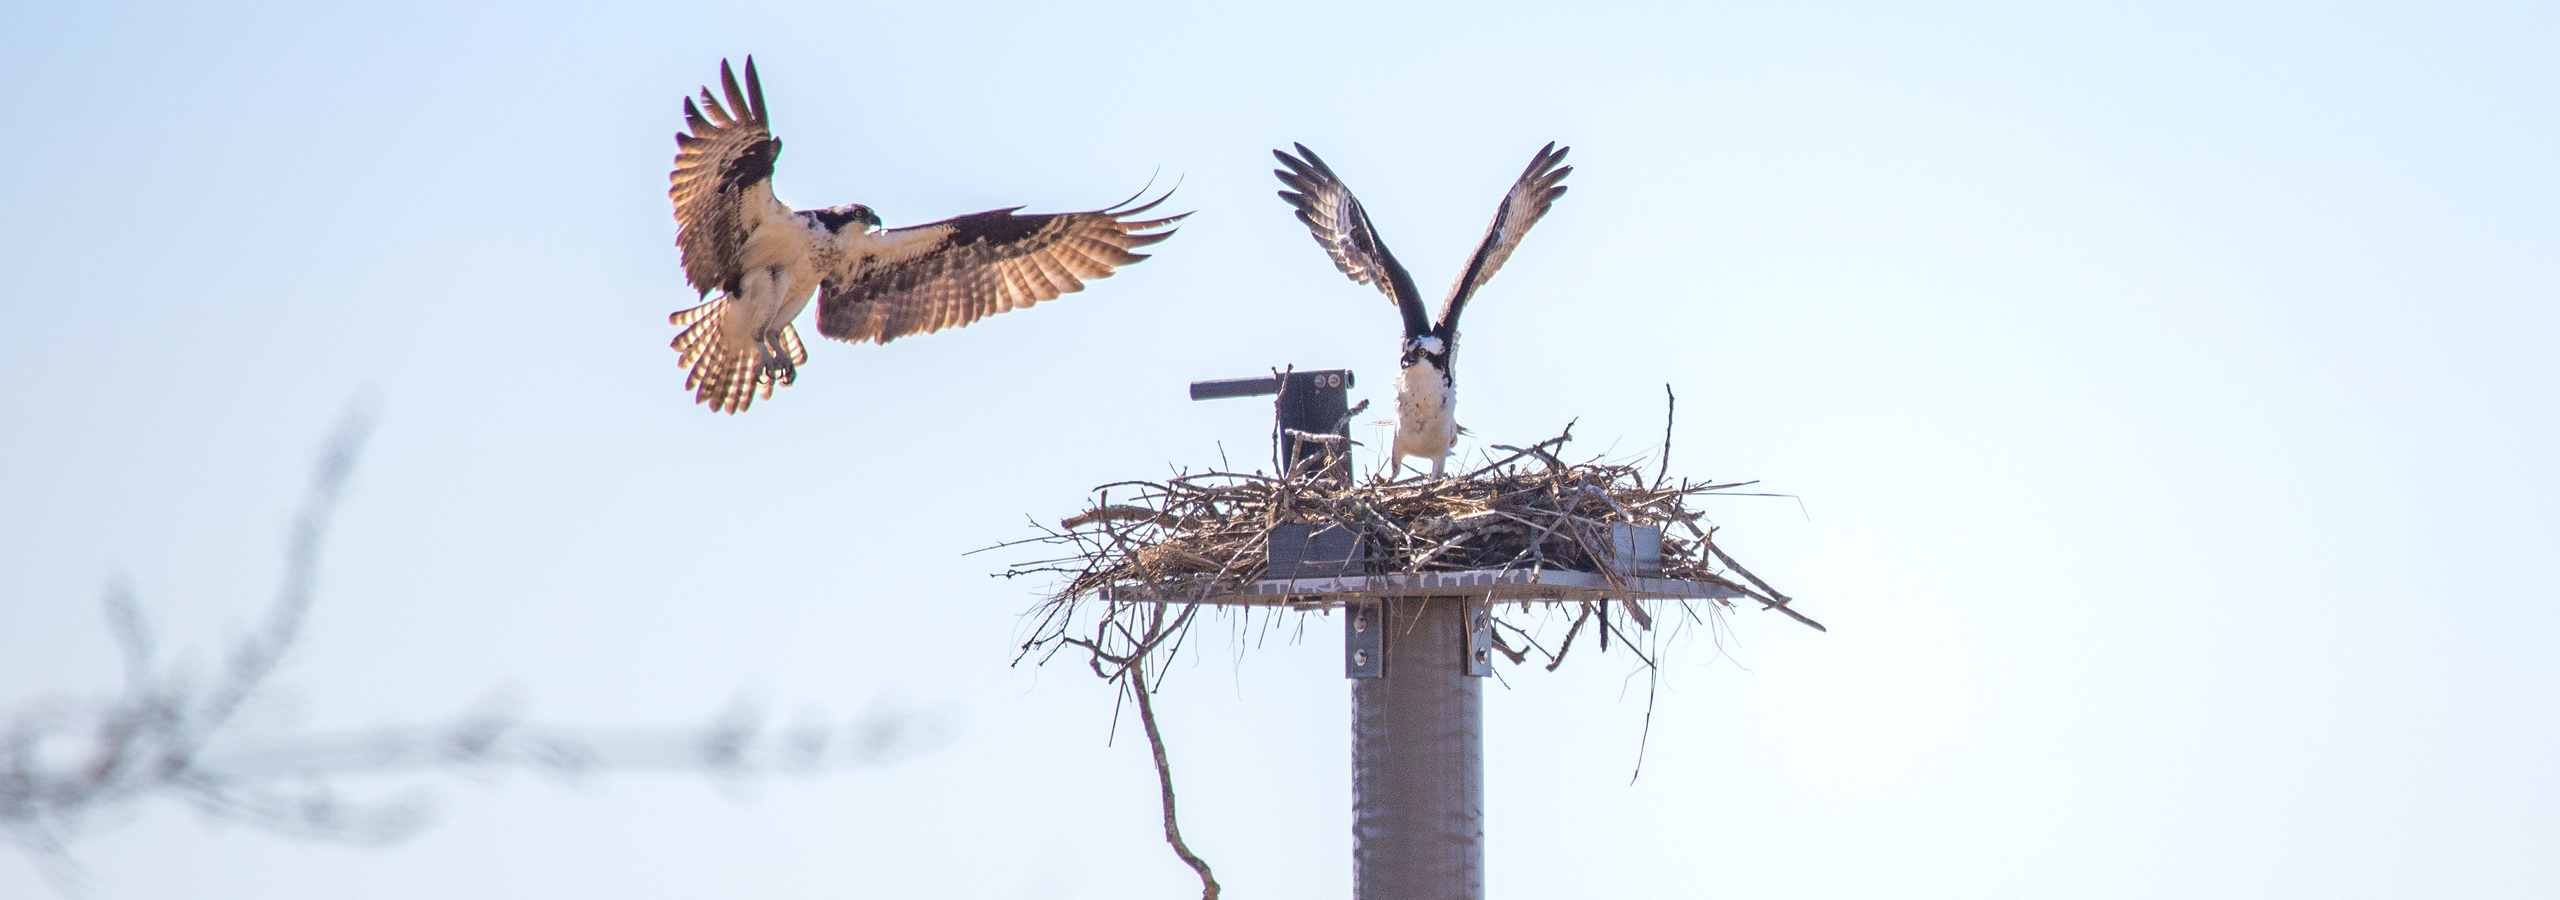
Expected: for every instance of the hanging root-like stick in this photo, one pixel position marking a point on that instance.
(1567, 646)
(1164, 779)
(1517, 656)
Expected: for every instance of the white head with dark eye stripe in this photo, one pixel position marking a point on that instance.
(835, 218)
(1430, 347)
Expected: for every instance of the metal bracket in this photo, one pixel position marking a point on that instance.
(1364, 638)
(1635, 550)
(1304, 551)
(1479, 623)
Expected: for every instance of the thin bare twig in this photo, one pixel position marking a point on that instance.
(1670, 406)
(1164, 782)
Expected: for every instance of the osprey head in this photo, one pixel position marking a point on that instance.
(1429, 347)
(837, 217)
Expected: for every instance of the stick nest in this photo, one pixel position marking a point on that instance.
(1196, 536)
(1139, 571)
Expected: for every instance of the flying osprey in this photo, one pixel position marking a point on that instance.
(872, 284)
(1426, 391)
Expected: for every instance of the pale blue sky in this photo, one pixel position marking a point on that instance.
(2170, 385)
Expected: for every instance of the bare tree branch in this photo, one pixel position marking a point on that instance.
(66, 767)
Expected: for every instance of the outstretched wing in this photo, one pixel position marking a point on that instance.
(722, 180)
(950, 273)
(1524, 206)
(1343, 229)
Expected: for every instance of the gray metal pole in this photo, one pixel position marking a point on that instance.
(1417, 761)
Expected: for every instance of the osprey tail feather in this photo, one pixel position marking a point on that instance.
(727, 370)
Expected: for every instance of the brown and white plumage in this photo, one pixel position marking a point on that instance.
(723, 180)
(1426, 389)
(1341, 226)
(766, 261)
(926, 278)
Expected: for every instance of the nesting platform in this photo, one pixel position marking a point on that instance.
(1313, 568)
(1420, 571)
(1497, 585)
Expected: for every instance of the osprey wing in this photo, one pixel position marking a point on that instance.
(722, 180)
(1342, 227)
(1528, 201)
(950, 273)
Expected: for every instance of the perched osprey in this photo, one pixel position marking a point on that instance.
(872, 284)
(1426, 391)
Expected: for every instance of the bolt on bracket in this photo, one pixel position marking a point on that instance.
(1364, 639)
(1479, 624)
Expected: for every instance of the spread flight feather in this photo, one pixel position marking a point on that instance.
(1426, 391)
(765, 260)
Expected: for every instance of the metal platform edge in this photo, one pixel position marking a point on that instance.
(1500, 586)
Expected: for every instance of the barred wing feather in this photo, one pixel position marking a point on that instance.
(926, 278)
(1528, 201)
(723, 178)
(1342, 227)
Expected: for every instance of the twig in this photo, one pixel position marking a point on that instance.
(1652, 681)
(1567, 645)
(1517, 656)
(1114, 513)
(1328, 440)
(1670, 406)
(1137, 685)
(1781, 600)
(1556, 441)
